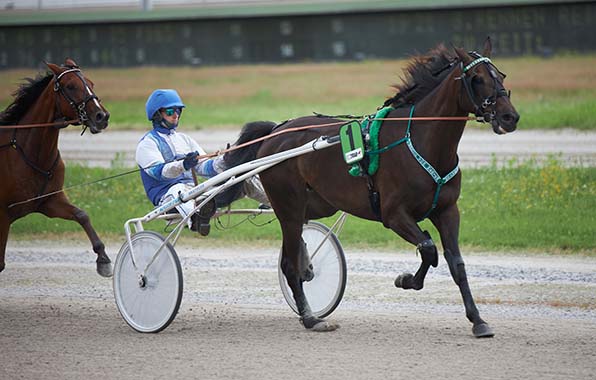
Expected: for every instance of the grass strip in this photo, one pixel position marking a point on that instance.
(527, 206)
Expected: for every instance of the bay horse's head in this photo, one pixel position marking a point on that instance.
(486, 96)
(75, 97)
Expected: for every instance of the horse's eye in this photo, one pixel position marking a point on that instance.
(477, 80)
(70, 87)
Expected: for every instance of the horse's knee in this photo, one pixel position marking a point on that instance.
(428, 252)
(81, 217)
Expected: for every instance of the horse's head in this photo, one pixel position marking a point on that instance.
(75, 96)
(486, 96)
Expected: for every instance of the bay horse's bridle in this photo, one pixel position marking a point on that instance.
(486, 111)
(80, 106)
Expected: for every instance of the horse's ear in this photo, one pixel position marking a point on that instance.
(488, 47)
(55, 68)
(69, 62)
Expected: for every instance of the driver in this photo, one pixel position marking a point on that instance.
(167, 156)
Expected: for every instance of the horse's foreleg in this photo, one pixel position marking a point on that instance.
(407, 228)
(447, 223)
(4, 228)
(59, 207)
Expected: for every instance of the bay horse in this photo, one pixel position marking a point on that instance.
(450, 83)
(31, 163)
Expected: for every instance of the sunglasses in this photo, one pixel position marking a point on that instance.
(171, 111)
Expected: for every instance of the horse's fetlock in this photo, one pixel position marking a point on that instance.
(99, 248)
(103, 258)
(474, 317)
(428, 251)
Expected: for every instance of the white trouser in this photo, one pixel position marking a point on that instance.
(183, 208)
(253, 188)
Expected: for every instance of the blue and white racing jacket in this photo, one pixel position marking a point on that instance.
(159, 155)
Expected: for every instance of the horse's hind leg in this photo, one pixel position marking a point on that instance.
(296, 272)
(289, 203)
(59, 207)
(407, 228)
(447, 222)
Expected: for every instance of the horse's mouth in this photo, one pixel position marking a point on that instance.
(502, 127)
(499, 130)
(94, 129)
(99, 124)
(505, 123)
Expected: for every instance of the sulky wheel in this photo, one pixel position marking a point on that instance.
(148, 301)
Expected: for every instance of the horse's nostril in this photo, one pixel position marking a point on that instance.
(510, 118)
(101, 116)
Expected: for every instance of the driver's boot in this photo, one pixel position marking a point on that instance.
(200, 220)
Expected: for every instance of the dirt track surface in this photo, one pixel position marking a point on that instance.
(58, 320)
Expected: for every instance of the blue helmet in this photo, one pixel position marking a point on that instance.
(162, 99)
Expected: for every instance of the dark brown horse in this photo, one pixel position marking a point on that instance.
(444, 83)
(31, 164)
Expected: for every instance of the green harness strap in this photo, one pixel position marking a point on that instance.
(374, 130)
(375, 152)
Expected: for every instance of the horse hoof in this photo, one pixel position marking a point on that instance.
(318, 325)
(482, 330)
(325, 326)
(404, 281)
(105, 269)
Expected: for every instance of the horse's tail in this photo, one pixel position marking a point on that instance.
(250, 131)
